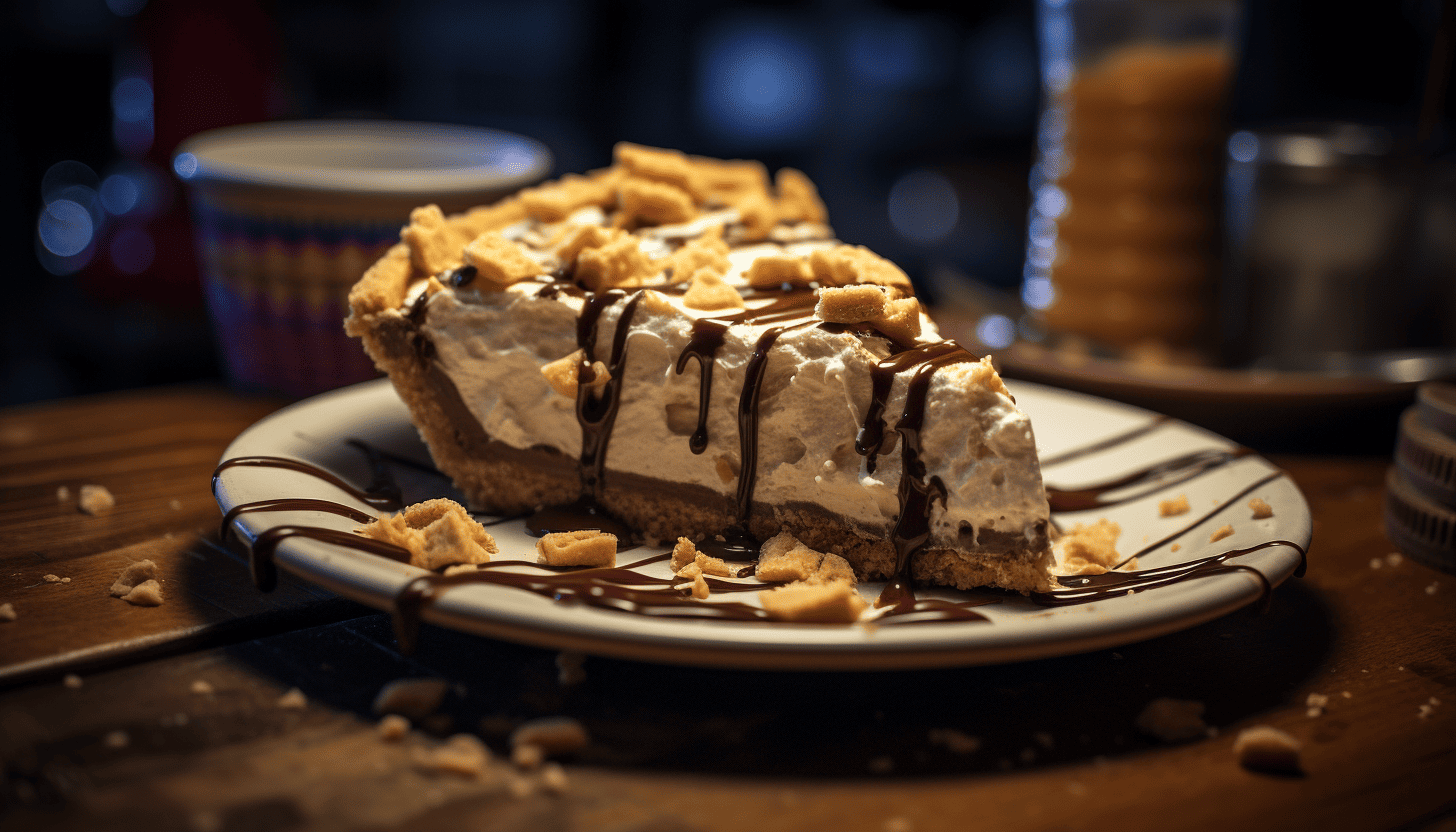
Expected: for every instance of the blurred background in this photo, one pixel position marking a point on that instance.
(916, 120)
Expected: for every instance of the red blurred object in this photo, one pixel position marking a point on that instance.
(213, 65)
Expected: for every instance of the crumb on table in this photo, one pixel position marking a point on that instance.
(1172, 720)
(1266, 748)
(96, 500)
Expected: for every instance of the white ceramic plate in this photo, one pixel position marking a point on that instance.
(317, 431)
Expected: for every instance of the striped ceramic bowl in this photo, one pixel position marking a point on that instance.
(288, 215)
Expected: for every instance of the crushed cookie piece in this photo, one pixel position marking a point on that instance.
(579, 238)
(555, 201)
(500, 261)
(784, 558)
(1087, 549)
(174, 504)
(1260, 509)
(712, 566)
(527, 756)
(617, 263)
(831, 602)
(1432, 587)
(701, 590)
(72, 681)
(1174, 507)
(62, 493)
(434, 244)
(1175, 547)
(137, 585)
(51, 579)
(708, 292)
(901, 320)
(415, 698)
(846, 265)
(670, 167)
(954, 740)
(798, 198)
(773, 270)
(553, 778)
(554, 735)
(1266, 748)
(564, 374)
(588, 547)
(393, 728)
(850, 304)
(95, 500)
(653, 203)
(706, 251)
(1220, 533)
(757, 214)
(462, 754)
(1172, 720)
(683, 553)
(1376, 563)
(293, 699)
(437, 533)
(7, 612)
(1394, 559)
(725, 179)
(727, 471)
(201, 687)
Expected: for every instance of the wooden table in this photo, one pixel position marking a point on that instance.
(100, 725)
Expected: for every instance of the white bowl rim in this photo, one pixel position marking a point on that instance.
(450, 159)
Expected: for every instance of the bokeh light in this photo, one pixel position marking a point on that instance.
(759, 81)
(65, 227)
(996, 331)
(185, 165)
(923, 206)
(120, 193)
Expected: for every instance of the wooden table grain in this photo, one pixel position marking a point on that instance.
(104, 725)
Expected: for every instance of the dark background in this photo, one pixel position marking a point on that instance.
(858, 94)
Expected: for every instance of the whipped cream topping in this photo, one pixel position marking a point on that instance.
(815, 393)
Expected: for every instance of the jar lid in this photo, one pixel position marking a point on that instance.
(1437, 401)
(1418, 526)
(1427, 457)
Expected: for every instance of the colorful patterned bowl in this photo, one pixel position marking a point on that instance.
(288, 215)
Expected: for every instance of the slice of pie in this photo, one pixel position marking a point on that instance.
(674, 346)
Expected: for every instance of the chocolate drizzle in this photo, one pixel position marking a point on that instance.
(872, 433)
(1155, 477)
(596, 413)
(381, 493)
(708, 336)
(620, 588)
(1081, 589)
(791, 309)
(917, 494)
(1085, 588)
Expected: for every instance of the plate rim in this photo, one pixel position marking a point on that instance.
(688, 645)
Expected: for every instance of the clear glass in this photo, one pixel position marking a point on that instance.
(1125, 212)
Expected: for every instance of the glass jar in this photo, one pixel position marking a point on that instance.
(1123, 231)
